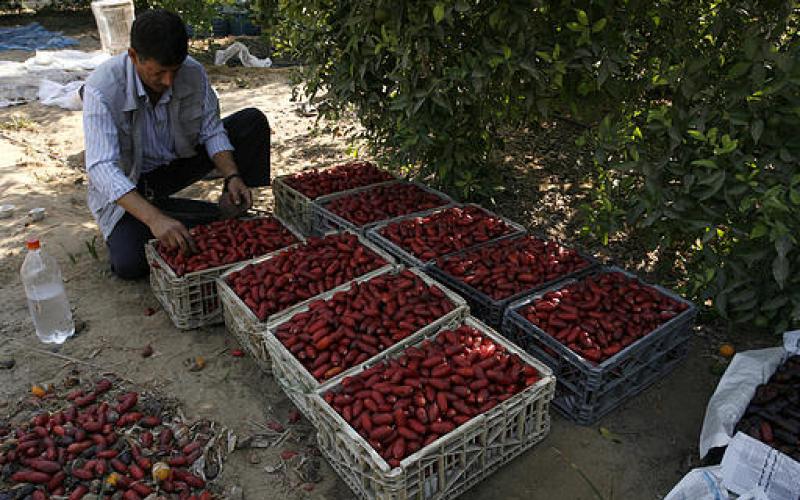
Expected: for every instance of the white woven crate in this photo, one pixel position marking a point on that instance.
(245, 326)
(456, 461)
(191, 300)
(295, 379)
(296, 207)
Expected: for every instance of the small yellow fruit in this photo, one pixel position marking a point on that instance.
(727, 350)
(161, 472)
(38, 391)
(112, 479)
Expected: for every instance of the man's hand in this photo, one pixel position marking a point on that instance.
(173, 234)
(169, 231)
(240, 193)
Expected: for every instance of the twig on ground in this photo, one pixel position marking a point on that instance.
(580, 472)
(71, 359)
(26, 144)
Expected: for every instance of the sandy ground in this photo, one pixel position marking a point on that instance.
(646, 446)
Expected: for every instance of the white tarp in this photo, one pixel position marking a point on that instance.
(62, 96)
(241, 50)
(20, 82)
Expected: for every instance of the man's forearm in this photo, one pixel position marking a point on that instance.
(225, 163)
(135, 204)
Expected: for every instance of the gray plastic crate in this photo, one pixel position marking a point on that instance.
(326, 221)
(405, 255)
(481, 305)
(586, 391)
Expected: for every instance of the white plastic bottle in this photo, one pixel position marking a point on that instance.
(47, 299)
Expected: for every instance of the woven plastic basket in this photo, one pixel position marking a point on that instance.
(295, 379)
(586, 392)
(191, 301)
(456, 461)
(295, 207)
(245, 326)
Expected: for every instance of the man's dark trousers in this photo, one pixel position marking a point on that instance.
(249, 133)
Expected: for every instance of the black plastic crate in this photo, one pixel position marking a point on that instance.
(408, 258)
(482, 306)
(586, 391)
(326, 221)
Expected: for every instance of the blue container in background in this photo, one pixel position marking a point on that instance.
(237, 24)
(251, 29)
(220, 27)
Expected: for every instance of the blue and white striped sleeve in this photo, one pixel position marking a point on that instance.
(102, 148)
(213, 133)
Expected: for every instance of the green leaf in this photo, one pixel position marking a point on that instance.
(462, 6)
(714, 182)
(783, 245)
(743, 297)
(705, 163)
(775, 303)
(607, 434)
(739, 69)
(759, 230)
(583, 18)
(599, 25)
(794, 196)
(756, 129)
(507, 52)
(544, 55)
(728, 146)
(438, 12)
(574, 26)
(780, 270)
(696, 134)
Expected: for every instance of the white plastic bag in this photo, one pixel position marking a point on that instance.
(67, 60)
(707, 483)
(241, 50)
(752, 466)
(737, 387)
(62, 96)
(704, 483)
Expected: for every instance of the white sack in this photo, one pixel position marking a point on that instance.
(62, 96)
(737, 387)
(241, 50)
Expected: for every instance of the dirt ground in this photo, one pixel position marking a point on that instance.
(643, 450)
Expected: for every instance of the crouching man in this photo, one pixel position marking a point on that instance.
(152, 127)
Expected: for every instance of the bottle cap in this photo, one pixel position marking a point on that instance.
(33, 244)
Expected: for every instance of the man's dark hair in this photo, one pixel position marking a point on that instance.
(161, 35)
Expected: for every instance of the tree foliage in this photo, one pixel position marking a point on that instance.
(693, 107)
(711, 147)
